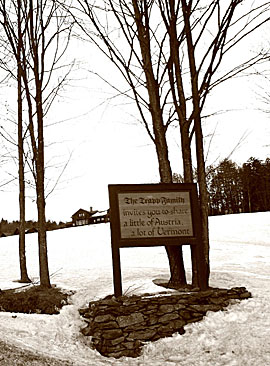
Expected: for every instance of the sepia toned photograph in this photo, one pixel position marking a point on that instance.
(134, 183)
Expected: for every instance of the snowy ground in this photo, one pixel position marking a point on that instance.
(80, 260)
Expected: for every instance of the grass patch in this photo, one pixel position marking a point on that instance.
(34, 299)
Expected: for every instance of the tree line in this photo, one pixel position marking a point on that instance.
(236, 188)
(12, 227)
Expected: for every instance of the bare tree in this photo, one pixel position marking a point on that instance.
(43, 39)
(201, 35)
(5, 63)
(144, 79)
(170, 54)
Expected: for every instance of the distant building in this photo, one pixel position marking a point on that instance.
(84, 217)
(100, 216)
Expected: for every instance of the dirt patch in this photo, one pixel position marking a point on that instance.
(34, 299)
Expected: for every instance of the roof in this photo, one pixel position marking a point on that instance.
(100, 213)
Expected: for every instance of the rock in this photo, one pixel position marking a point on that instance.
(97, 334)
(166, 308)
(152, 307)
(194, 320)
(126, 310)
(178, 325)
(104, 318)
(153, 319)
(112, 333)
(204, 308)
(135, 327)
(167, 317)
(166, 330)
(172, 327)
(116, 341)
(126, 353)
(126, 320)
(110, 302)
(82, 311)
(114, 354)
(179, 306)
(245, 295)
(217, 301)
(146, 334)
(185, 314)
(181, 331)
(132, 345)
(87, 331)
(108, 325)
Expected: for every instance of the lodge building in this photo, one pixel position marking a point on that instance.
(84, 217)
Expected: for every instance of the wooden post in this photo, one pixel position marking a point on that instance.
(117, 278)
(202, 275)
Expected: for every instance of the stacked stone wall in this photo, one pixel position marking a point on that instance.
(120, 326)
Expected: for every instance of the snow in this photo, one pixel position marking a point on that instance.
(80, 260)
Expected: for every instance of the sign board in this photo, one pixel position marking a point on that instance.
(153, 215)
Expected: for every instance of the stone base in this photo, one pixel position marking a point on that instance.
(120, 326)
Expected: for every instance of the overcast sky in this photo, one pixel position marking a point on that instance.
(107, 145)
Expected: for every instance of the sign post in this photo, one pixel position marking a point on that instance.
(153, 215)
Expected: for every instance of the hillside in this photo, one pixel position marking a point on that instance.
(80, 260)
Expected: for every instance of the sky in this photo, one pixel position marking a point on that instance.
(80, 260)
(94, 139)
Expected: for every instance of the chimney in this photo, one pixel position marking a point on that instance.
(91, 209)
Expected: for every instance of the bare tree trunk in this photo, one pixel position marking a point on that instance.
(178, 94)
(22, 254)
(42, 238)
(199, 142)
(186, 155)
(175, 255)
(203, 196)
(188, 178)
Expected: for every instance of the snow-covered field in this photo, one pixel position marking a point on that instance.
(80, 260)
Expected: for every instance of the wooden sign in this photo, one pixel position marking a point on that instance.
(152, 215)
(146, 214)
